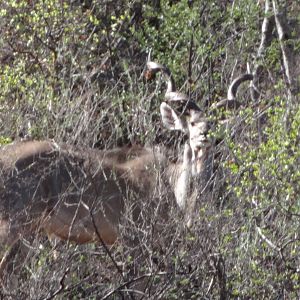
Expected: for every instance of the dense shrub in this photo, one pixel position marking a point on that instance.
(72, 71)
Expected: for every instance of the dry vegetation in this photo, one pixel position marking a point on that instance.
(72, 71)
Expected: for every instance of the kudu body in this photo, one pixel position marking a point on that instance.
(80, 194)
(65, 189)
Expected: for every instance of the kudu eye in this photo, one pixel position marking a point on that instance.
(192, 124)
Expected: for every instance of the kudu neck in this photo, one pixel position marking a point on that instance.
(199, 162)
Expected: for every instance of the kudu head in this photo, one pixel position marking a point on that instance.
(186, 116)
(196, 126)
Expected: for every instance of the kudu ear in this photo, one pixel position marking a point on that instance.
(171, 119)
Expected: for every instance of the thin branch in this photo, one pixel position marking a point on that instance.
(266, 38)
(61, 285)
(148, 275)
(190, 81)
(286, 49)
(266, 30)
(109, 254)
(264, 238)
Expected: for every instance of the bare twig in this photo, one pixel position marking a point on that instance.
(148, 275)
(61, 285)
(286, 49)
(266, 38)
(109, 254)
(190, 60)
(264, 238)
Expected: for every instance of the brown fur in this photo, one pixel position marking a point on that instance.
(60, 187)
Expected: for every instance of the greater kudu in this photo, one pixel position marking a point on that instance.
(80, 194)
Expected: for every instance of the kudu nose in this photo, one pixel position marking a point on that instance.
(198, 148)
